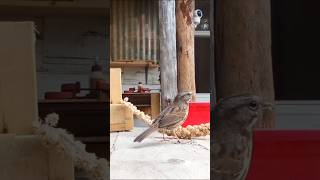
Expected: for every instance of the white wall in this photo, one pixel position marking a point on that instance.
(67, 48)
(132, 76)
(65, 55)
(298, 114)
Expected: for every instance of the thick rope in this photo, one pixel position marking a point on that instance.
(182, 133)
(62, 141)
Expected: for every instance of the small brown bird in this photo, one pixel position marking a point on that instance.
(234, 118)
(171, 117)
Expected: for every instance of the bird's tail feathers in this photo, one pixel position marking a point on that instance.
(144, 134)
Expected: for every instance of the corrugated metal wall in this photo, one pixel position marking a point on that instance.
(134, 30)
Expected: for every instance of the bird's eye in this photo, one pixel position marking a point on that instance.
(253, 105)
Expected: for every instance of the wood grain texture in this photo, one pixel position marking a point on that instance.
(185, 46)
(155, 105)
(18, 94)
(60, 166)
(24, 157)
(115, 86)
(168, 55)
(243, 51)
(121, 118)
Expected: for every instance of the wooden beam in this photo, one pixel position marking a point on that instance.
(168, 57)
(185, 42)
(133, 64)
(243, 51)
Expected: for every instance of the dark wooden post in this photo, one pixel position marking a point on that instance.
(168, 57)
(243, 50)
(185, 46)
(213, 100)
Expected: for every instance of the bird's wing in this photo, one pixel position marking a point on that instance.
(172, 117)
(163, 113)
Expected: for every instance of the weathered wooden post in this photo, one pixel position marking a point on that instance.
(185, 46)
(168, 57)
(243, 50)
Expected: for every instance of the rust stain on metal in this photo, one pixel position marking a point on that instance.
(186, 9)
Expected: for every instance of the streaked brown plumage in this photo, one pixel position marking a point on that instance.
(234, 118)
(171, 117)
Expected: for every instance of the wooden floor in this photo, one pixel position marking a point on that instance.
(157, 159)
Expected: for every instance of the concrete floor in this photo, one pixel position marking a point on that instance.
(154, 158)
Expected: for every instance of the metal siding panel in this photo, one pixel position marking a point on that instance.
(134, 30)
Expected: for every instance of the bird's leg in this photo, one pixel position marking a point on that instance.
(174, 132)
(163, 137)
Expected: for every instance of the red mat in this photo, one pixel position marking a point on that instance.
(199, 113)
(285, 155)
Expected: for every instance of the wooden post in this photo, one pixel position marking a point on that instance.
(243, 50)
(213, 100)
(185, 44)
(168, 57)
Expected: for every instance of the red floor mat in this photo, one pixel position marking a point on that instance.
(285, 155)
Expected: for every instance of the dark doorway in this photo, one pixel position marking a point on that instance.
(202, 63)
(295, 46)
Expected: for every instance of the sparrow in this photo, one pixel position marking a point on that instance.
(171, 117)
(234, 119)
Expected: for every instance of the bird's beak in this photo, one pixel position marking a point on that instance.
(268, 106)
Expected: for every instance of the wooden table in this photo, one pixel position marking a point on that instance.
(86, 119)
(149, 103)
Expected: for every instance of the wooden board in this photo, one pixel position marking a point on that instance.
(24, 157)
(155, 105)
(121, 118)
(115, 85)
(60, 166)
(135, 63)
(18, 97)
